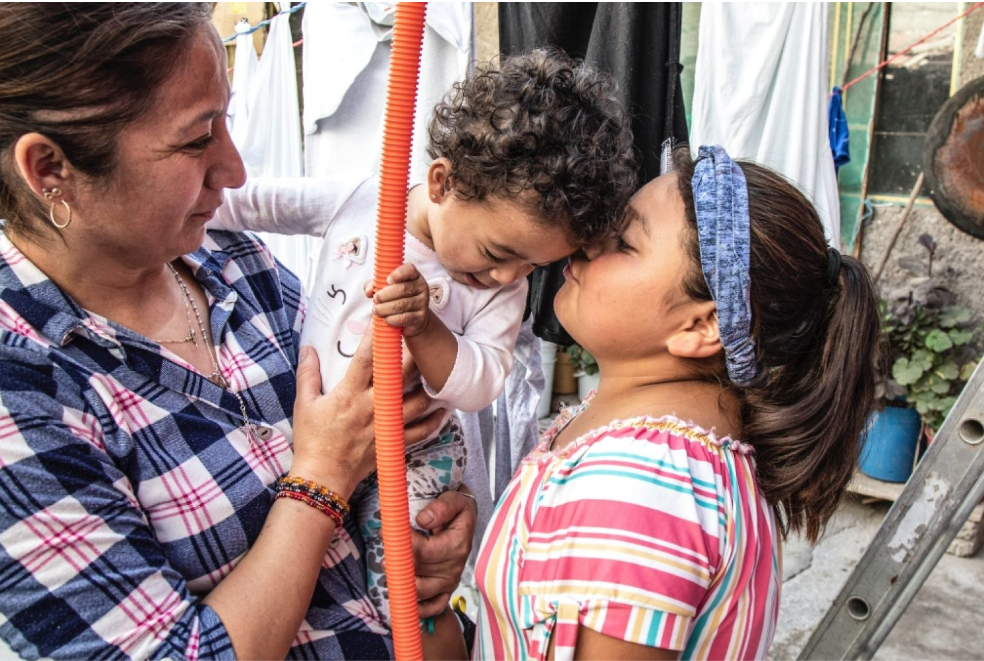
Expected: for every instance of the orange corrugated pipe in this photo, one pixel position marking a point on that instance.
(387, 374)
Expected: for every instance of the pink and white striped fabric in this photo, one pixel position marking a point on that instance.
(648, 530)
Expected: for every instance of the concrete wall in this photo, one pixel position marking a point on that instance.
(959, 260)
(486, 31)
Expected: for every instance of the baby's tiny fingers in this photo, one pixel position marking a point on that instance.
(402, 273)
(403, 291)
(399, 306)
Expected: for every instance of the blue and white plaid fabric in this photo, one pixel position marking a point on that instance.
(128, 489)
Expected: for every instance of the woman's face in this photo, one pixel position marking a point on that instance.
(172, 167)
(627, 297)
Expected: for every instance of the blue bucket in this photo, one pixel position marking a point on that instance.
(889, 448)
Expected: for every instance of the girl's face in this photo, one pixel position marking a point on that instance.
(625, 299)
(492, 243)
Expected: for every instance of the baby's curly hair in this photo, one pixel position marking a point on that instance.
(545, 123)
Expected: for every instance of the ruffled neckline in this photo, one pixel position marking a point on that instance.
(669, 423)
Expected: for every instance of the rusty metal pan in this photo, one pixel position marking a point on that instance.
(954, 158)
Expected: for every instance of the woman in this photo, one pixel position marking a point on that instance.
(147, 401)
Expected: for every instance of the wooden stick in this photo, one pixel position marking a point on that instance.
(898, 225)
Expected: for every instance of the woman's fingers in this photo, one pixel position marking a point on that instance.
(434, 606)
(308, 375)
(358, 375)
(420, 430)
(440, 558)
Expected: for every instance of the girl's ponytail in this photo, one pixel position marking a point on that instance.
(815, 323)
(806, 418)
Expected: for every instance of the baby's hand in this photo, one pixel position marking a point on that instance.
(403, 302)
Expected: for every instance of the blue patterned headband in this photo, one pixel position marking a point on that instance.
(721, 206)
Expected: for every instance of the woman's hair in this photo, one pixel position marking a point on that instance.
(816, 347)
(545, 124)
(79, 73)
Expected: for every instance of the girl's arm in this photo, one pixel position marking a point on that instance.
(283, 205)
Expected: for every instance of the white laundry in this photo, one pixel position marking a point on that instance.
(243, 72)
(761, 92)
(265, 126)
(346, 62)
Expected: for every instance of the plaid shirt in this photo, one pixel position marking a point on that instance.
(128, 489)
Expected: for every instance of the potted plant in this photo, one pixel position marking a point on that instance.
(585, 369)
(931, 345)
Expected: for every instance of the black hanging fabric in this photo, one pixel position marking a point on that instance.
(638, 44)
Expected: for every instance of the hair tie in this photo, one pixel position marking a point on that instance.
(721, 207)
(833, 266)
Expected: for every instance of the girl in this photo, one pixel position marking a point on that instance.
(736, 353)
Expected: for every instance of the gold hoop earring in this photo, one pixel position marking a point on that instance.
(51, 215)
(50, 195)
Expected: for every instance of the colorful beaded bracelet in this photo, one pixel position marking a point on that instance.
(293, 495)
(320, 493)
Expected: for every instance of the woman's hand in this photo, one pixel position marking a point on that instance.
(333, 434)
(440, 558)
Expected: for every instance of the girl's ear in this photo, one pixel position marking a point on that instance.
(438, 179)
(699, 337)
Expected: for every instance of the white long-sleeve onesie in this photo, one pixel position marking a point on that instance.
(485, 322)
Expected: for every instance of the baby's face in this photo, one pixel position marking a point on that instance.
(494, 242)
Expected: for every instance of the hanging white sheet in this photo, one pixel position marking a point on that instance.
(265, 127)
(761, 92)
(346, 61)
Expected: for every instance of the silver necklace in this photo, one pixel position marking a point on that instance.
(184, 299)
(216, 376)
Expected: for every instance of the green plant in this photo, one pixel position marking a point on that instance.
(928, 348)
(582, 360)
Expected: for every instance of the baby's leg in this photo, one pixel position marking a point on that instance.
(433, 467)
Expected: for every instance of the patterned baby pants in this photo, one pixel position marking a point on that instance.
(433, 467)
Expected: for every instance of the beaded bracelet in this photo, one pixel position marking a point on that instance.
(300, 485)
(316, 496)
(335, 516)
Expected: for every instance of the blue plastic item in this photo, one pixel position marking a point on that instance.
(889, 448)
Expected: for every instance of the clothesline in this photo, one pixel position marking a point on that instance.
(267, 22)
(910, 47)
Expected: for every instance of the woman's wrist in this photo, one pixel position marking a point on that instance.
(336, 481)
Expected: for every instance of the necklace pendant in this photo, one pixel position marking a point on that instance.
(218, 380)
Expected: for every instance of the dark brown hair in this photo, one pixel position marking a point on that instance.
(546, 124)
(816, 345)
(79, 73)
